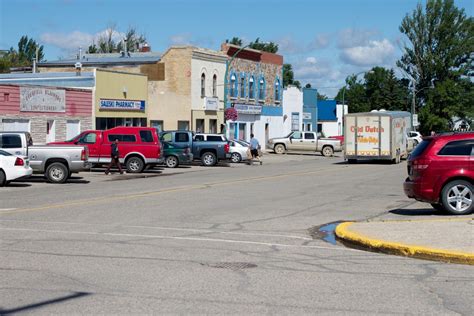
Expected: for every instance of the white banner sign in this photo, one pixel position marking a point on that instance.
(306, 115)
(248, 108)
(415, 120)
(42, 100)
(211, 104)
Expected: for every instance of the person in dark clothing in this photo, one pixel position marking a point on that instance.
(114, 157)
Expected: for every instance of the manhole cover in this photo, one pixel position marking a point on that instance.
(231, 265)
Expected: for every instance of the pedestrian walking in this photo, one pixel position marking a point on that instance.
(254, 149)
(114, 157)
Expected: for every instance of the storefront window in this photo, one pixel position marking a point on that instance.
(183, 125)
(213, 126)
(104, 123)
(200, 126)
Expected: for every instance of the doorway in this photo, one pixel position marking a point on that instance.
(267, 133)
(50, 131)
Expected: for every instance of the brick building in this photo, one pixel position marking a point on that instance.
(253, 86)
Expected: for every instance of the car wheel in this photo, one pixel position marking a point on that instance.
(279, 149)
(3, 178)
(438, 207)
(327, 151)
(457, 196)
(208, 159)
(135, 165)
(235, 157)
(57, 173)
(172, 161)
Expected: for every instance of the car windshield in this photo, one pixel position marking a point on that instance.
(420, 148)
(4, 153)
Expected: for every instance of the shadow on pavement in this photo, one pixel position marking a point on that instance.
(418, 212)
(43, 303)
(18, 185)
(366, 162)
(42, 179)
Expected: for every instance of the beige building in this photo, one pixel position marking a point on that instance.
(191, 94)
(120, 99)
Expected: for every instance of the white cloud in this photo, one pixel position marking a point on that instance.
(72, 41)
(371, 54)
(352, 37)
(311, 60)
(319, 42)
(187, 39)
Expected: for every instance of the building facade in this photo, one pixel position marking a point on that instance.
(292, 110)
(330, 117)
(191, 92)
(310, 110)
(253, 87)
(120, 99)
(48, 113)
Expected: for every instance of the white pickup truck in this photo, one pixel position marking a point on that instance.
(305, 141)
(56, 162)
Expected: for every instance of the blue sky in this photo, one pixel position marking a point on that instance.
(324, 40)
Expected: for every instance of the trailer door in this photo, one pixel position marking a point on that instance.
(386, 138)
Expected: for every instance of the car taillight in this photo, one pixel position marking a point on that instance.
(226, 148)
(19, 162)
(83, 155)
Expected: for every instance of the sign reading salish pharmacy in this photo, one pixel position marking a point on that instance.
(127, 105)
(42, 100)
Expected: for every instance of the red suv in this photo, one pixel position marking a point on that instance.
(138, 146)
(441, 172)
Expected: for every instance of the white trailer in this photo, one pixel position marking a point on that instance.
(376, 135)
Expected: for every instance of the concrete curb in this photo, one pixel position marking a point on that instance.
(345, 234)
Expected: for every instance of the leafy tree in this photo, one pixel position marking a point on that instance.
(23, 57)
(235, 41)
(270, 47)
(308, 86)
(107, 44)
(289, 77)
(354, 95)
(439, 58)
(322, 96)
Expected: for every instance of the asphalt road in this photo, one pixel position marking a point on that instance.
(225, 240)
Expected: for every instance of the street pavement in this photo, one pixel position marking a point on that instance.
(233, 239)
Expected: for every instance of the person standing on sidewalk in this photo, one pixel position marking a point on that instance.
(254, 148)
(114, 157)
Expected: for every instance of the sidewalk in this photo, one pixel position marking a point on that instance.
(449, 240)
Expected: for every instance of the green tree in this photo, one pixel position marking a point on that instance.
(107, 43)
(308, 86)
(23, 57)
(235, 41)
(322, 96)
(354, 95)
(269, 47)
(384, 91)
(438, 56)
(289, 77)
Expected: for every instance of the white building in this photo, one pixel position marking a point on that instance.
(292, 110)
(335, 127)
(207, 90)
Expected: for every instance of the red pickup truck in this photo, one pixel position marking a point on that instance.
(138, 146)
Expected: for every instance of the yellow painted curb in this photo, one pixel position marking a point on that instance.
(343, 232)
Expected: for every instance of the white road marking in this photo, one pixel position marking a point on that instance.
(7, 209)
(198, 230)
(179, 238)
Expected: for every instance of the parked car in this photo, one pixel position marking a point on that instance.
(57, 163)
(441, 172)
(238, 150)
(305, 141)
(209, 148)
(139, 147)
(415, 137)
(176, 155)
(13, 168)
